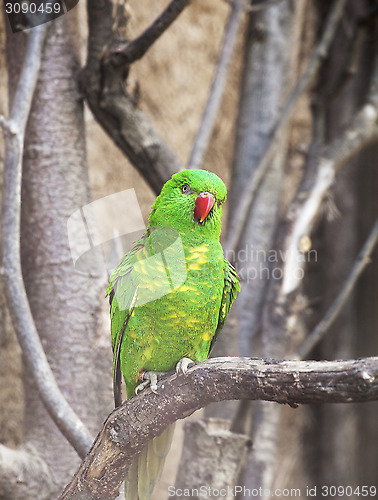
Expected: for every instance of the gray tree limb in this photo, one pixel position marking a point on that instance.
(14, 129)
(322, 327)
(104, 86)
(131, 51)
(142, 417)
(362, 131)
(219, 454)
(270, 64)
(280, 313)
(241, 212)
(203, 137)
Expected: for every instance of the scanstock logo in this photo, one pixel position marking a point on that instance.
(101, 232)
(26, 14)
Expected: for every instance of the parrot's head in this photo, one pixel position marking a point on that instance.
(191, 199)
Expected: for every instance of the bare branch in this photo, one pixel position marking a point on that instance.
(257, 174)
(134, 50)
(362, 131)
(14, 130)
(114, 108)
(321, 328)
(142, 417)
(218, 85)
(351, 64)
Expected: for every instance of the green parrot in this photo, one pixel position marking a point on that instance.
(169, 298)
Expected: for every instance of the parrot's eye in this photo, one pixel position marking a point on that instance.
(185, 189)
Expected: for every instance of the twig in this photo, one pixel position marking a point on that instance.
(253, 182)
(321, 328)
(134, 50)
(115, 110)
(128, 428)
(14, 130)
(202, 139)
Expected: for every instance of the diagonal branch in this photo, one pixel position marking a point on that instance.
(139, 419)
(134, 50)
(14, 130)
(114, 108)
(321, 328)
(202, 139)
(257, 174)
(362, 130)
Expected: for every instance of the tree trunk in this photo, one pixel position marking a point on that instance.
(340, 459)
(271, 62)
(65, 303)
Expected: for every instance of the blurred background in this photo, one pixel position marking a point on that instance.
(79, 148)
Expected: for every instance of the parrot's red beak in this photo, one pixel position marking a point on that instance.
(204, 203)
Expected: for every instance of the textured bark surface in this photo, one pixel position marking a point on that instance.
(338, 456)
(64, 302)
(221, 468)
(172, 85)
(11, 394)
(268, 75)
(142, 417)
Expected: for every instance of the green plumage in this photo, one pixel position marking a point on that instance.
(170, 295)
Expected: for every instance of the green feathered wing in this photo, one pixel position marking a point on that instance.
(230, 290)
(123, 293)
(121, 307)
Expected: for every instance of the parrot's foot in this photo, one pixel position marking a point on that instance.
(183, 365)
(149, 379)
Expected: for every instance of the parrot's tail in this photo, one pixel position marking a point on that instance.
(147, 467)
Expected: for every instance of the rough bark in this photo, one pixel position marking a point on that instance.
(268, 78)
(261, 99)
(64, 302)
(338, 456)
(220, 469)
(142, 417)
(11, 396)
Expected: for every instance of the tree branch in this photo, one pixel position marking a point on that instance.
(257, 174)
(321, 328)
(134, 50)
(142, 417)
(362, 131)
(218, 85)
(105, 91)
(14, 130)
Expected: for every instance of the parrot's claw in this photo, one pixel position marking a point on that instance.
(149, 379)
(183, 365)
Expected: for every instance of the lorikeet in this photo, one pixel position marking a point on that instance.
(169, 297)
